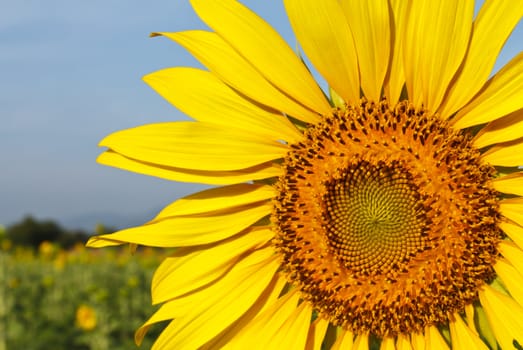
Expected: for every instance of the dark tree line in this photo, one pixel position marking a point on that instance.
(32, 232)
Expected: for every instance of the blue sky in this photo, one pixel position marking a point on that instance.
(71, 74)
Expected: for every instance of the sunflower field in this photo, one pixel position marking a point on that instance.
(71, 299)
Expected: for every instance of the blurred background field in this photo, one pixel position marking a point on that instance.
(57, 294)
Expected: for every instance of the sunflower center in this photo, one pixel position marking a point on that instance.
(386, 219)
(372, 217)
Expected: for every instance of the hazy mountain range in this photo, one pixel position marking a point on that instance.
(88, 221)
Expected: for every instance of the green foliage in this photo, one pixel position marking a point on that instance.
(32, 232)
(43, 291)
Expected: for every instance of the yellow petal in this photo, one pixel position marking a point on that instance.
(186, 231)
(403, 342)
(369, 22)
(345, 341)
(469, 318)
(417, 340)
(387, 344)
(501, 95)
(463, 337)
(484, 327)
(268, 298)
(323, 33)
(194, 145)
(395, 80)
(512, 209)
(264, 48)
(361, 342)
(233, 296)
(280, 285)
(512, 279)
(258, 172)
(258, 333)
(513, 254)
(220, 198)
(492, 27)
(435, 42)
(293, 333)
(227, 64)
(505, 316)
(191, 268)
(434, 340)
(501, 130)
(505, 154)
(204, 97)
(512, 183)
(166, 312)
(316, 334)
(513, 231)
(99, 242)
(336, 99)
(178, 307)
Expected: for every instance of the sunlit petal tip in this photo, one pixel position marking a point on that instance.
(103, 241)
(204, 97)
(140, 334)
(198, 146)
(264, 48)
(260, 172)
(234, 70)
(221, 199)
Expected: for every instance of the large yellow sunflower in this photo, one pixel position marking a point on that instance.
(388, 215)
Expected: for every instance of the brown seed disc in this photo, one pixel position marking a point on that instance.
(386, 219)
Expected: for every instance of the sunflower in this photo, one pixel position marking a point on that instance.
(85, 318)
(387, 215)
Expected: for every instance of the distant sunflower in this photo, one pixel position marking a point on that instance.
(85, 318)
(388, 215)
